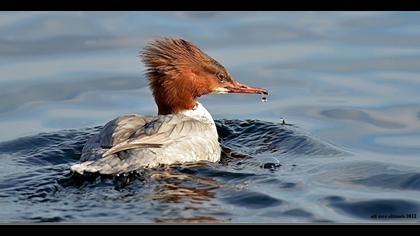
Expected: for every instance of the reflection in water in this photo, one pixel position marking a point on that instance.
(197, 192)
(171, 189)
(175, 193)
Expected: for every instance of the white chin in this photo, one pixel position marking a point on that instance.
(220, 90)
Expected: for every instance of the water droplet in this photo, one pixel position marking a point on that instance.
(270, 165)
(282, 121)
(263, 98)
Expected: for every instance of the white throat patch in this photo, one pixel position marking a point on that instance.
(221, 90)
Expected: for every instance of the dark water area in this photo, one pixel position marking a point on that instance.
(202, 192)
(269, 172)
(346, 85)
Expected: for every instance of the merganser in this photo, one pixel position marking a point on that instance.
(183, 131)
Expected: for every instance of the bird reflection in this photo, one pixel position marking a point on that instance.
(193, 193)
(175, 186)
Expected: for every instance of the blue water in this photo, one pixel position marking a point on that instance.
(346, 83)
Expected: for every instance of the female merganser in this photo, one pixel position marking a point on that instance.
(183, 131)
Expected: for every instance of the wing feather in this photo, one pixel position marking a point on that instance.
(159, 132)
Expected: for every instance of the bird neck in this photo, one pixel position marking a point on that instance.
(199, 112)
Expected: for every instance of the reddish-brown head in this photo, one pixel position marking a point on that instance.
(179, 72)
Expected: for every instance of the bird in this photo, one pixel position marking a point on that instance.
(183, 131)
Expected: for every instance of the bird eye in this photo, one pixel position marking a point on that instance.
(221, 77)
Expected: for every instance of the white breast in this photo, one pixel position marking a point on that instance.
(199, 145)
(200, 112)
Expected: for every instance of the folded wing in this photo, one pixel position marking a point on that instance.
(155, 133)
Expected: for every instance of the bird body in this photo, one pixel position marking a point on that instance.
(183, 131)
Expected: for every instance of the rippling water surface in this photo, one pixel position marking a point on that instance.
(346, 83)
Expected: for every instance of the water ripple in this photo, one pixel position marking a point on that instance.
(50, 193)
